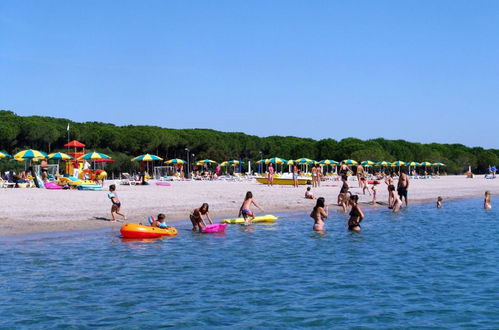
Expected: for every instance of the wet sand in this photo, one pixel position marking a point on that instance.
(29, 211)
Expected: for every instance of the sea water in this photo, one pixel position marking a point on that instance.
(423, 267)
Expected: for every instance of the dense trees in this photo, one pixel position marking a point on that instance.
(122, 142)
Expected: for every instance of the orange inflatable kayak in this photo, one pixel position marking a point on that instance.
(132, 230)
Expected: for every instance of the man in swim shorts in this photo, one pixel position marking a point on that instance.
(402, 186)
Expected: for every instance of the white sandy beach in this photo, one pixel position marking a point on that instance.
(27, 211)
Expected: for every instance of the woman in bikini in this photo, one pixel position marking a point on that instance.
(319, 213)
(197, 217)
(356, 214)
(245, 208)
(487, 204)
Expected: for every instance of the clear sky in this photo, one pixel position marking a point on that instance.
(424, 71)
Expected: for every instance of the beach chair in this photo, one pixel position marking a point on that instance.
(127, 180)
(6, 184)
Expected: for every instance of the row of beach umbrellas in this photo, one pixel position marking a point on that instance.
(35, 154)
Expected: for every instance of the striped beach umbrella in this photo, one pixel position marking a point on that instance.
(398, 163)
(350, 162)
(328, 162)
(367, 163)
(226, 163)
(383, 163)
(30, 154)
(290, 162)
(4, 154)
(412, 164)
(305, 161)
(205, 161)
(59, 156)
(276, 160)
(262, 161)
(94, 156)
(175, 161)
(146, 158)
(426, 164)
(235, 162)
(438, 164)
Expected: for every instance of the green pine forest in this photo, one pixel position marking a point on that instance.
(123, 142)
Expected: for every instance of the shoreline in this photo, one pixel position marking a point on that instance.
(57, 212)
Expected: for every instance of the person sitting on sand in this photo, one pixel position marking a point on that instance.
(245, 208)
(160, 222)
(319, 213)
(115, 208)
(308, 194)
(356, 214)
(197, 217)
(439, 202)
(487, 204)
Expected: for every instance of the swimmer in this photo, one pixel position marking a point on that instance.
(197, 219)
(245, 208)
(356, 214)
(115, 208)
(319, 213)
(308, 194)
(439, 202)
(487, 204)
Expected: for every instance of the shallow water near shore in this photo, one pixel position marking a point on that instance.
(422, 267)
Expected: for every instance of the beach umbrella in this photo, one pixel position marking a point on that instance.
(30, 154)
(4, 155)
(398, 163)
(305, 161)
(383, 163)
(350, 162)
(206, 161)
(94, 156)
(176, 161)
(425, 164)
(328, 162)
(223, 164)
(367, 163)
(438, 164)
(275, 160)
(235, 162)
(59, 156)
(146, 158)
(412, 164)
(262, 161)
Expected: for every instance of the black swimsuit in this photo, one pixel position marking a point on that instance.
(354, 218)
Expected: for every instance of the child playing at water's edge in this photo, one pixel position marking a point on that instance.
(374, 188)
(319, 213)
(439, 202)
(115, 208)
(160, 222)
(245, 208)
(197, 217)
(487, 204)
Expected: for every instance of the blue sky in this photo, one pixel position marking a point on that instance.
(425, 71)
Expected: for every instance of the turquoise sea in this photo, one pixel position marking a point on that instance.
(422, 267)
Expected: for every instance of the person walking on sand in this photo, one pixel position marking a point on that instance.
(115, 208)
(271, 175)
(343, 169)
(360, 175)
(295, 176)
(245, 211)
(356, 214)
(403, 186)
(319, 214)
(487, 204)
(314, 176)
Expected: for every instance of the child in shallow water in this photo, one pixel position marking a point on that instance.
(487, 204)
(439, 202)
(160, 222)
(319, 213)
(245, 208)
(197, 217)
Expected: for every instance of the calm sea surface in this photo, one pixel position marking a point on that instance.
(421, 268)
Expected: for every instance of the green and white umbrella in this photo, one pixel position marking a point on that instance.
(383, 163)
(367, 163)
(276, 160)
(398, 163)
(305, 161)
(425, 164)
(350, 162)
(412, 164)
(328, 162)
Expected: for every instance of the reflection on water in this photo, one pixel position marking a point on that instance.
(422, 267)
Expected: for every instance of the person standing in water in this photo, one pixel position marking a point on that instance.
(197, 217)
(402, 186)
(271, 175)
(487, 203)
(356, 214)
(439, 202)
(245, 211)
(319, 214)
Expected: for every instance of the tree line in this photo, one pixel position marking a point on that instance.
(123, 142)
